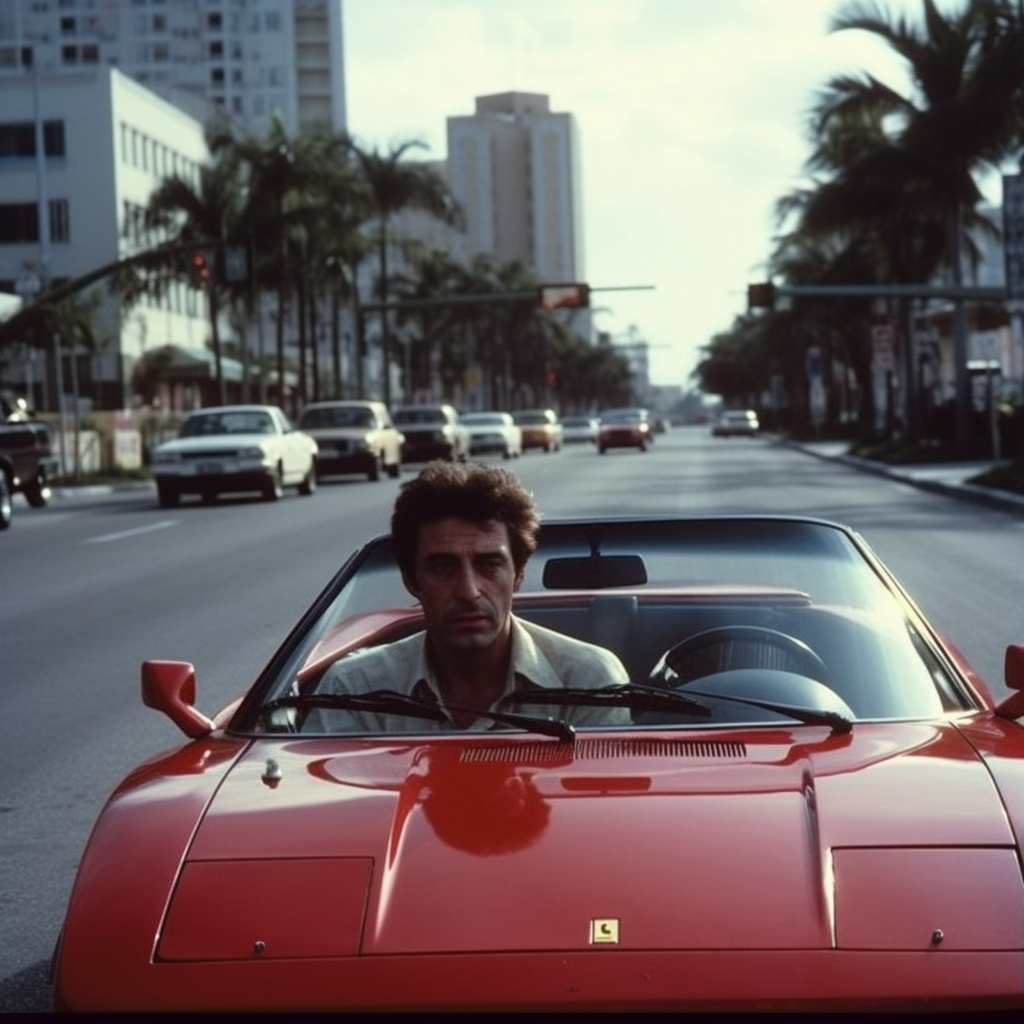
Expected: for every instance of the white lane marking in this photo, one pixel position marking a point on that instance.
(132, 533)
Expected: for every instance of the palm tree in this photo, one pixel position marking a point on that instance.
(395, 185)
(302, 205)
(187, 214)
(963, 115)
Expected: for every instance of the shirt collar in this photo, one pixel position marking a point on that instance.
(527, 666)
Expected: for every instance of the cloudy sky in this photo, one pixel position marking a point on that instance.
(690, 114)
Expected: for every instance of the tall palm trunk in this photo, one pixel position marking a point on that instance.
(961, 378)
(385, 339)
(218, 363)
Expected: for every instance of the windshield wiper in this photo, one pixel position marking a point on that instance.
(391, 702)
(637, 697)
(652, 698)
(809, 716)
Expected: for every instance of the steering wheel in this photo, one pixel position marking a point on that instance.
(729, 647)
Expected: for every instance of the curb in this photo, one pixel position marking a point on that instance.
(987, 496)
(73, 491)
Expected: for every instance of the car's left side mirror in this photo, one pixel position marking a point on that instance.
(1013, 676)
(170, 687)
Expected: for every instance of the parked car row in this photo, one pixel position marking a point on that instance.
(256, 448)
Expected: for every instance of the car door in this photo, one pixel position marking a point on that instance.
(294, 449)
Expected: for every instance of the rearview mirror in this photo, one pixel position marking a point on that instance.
(594, 572)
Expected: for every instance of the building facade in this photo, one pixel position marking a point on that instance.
(119, 92)
(514, 165)
(250, 58)
(108, 142)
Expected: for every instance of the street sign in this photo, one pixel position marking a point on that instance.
(1013, 234)
(564, 296)
(236, 264)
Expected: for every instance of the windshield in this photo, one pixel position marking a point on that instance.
(413, 416)
(746, 582)
(235, 422)
(482, 419)
(336, 416)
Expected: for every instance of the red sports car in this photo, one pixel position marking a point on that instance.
(624, 428)
(816, 805)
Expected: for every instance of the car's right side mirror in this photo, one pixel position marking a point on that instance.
(1013, 676)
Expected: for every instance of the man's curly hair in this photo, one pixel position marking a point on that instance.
(474, 491)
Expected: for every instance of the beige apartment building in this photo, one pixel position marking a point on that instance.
(514, 164)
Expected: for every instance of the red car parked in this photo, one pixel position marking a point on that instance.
(817, 805)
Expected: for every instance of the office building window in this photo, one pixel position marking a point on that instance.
(18, 140)
(19, 222)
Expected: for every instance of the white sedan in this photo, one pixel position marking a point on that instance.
(493, 433)
(235, 448)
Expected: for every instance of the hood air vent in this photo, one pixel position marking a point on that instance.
(600, 748)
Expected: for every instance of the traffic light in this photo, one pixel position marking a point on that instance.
(761, 295)
(564, 296)
(199, 270)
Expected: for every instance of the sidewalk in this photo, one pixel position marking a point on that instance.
(944, 478)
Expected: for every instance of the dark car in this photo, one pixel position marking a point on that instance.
(6, 504)
(28, 461)
(812, 802)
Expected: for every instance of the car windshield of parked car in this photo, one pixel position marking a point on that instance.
(236, 422)
(531, 419)
(748, 594)
(483, 419)
(335, 416)
(411, 416)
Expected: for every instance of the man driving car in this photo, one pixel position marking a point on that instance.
(462, 535)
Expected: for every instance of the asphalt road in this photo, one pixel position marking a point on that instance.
(95, 583)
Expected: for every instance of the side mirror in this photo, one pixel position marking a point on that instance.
(170, 687)
(1013, 676)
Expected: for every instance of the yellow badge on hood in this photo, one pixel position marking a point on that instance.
(604, 931)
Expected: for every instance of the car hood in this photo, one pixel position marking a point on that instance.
(782, 839)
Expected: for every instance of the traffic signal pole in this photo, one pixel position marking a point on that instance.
(545, 297)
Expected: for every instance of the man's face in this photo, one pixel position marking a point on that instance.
(464, 579)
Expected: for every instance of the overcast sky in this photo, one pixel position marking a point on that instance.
(690, 114)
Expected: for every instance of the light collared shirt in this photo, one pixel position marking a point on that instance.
(541, 658)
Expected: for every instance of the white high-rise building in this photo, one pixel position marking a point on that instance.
(251, 58)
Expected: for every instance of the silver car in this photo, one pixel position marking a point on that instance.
(493, 433)
(354, 437)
